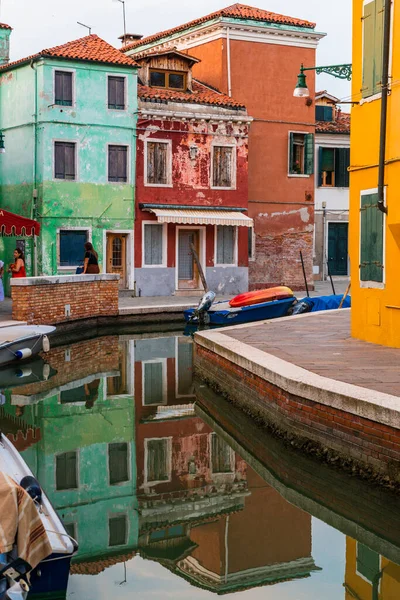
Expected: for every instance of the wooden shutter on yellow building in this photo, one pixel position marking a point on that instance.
(368, 49)
(378, 52)
(371, 263)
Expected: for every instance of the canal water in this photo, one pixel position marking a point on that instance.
(172, 493)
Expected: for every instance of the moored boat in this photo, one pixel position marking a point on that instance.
(21, 342)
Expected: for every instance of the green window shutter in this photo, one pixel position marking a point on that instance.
(342, 162)
(378, 46)
(291, 152)
(368, 49)
(309, 154)
(371, 263)
(320, 163)
(367, 562)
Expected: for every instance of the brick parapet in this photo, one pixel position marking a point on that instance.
(352, 427)
(53, 300)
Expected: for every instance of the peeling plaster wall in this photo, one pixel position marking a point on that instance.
(89, 202)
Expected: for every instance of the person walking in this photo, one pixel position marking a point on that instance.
(17, 268)
(91, 260)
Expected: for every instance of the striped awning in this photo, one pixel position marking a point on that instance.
(202, 217)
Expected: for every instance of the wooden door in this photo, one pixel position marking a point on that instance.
(116, 256)
(338, 248)
(188, 274)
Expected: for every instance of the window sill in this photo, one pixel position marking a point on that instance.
(376, 285)
(298, 175)
(154, 266)
(225, 265)
(159, 185)
(217, 187)
(371, 98)
(117, 109)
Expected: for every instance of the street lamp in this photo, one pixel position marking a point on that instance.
(339, 71)
(2, 146)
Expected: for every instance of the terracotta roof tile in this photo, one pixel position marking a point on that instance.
(201, 95)
(94, 567)
(89, 48)
(236, 11)
(4, 26)
(341, 125)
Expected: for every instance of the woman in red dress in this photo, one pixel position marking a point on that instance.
(17, 269)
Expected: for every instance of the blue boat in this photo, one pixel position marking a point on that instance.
(221, 313)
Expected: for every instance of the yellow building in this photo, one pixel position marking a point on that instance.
(375, 210)
(369, 576)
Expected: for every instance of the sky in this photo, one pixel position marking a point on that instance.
(40, 24)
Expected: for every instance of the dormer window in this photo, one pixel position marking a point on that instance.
(173, 80)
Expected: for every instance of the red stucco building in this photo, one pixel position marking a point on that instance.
(254, 56)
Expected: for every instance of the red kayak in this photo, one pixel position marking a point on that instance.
(259, 296)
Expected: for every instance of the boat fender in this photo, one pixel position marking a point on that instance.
(24, 353)
(32, 487)
(45, 344)
(23, 372)
(46, 371)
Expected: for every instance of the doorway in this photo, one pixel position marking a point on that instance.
(338, 248)
(188, 273)
(116, 257)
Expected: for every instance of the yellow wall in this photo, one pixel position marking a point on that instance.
(375, 312)
(389, 588)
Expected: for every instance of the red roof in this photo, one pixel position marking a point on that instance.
(4, 26)
(201, 95)
(89, 48)
(340, 125)
(11, 224)
(236, 11)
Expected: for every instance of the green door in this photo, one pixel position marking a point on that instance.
(338, 248)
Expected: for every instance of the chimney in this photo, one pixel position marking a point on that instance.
(5, 32)
(128, 38)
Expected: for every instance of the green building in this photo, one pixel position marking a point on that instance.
(68, 115)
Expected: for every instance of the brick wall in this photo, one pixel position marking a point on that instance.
(374, 445)
(45, 300)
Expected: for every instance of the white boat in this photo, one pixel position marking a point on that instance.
(50, 576)
(20, 342)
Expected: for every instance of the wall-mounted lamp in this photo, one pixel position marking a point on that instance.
(339, 71)
(2, 145)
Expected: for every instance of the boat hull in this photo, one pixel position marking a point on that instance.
(20, 338)
(49, 581)
(246, 314)
(261, 296)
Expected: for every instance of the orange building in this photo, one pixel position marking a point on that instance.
(254, 56)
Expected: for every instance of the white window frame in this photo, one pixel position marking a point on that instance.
(163, 362)
(78, 470)
(169, 183)
(373, 284)
(148, 483)
(164, 245)
(298, 175)
(126, 95)
(235, 248)
(252, 258)
(53, 166)
(89, 239)
(128, 158)
(73, 71)
(129, 465)
(234, 167)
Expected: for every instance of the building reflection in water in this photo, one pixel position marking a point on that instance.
(115, 441)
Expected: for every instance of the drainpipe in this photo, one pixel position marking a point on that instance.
(228, 58)
(323, 239)
(35, 193)
(384, 106)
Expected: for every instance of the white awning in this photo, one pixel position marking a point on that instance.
(202, 217)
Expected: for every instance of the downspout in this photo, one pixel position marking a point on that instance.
(35, 152)
(384, 105)
(228, 58)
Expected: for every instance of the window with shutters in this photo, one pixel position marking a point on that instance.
(154, 251)
(301, 153)
(368, 563)
(117, 530)
(70, 246)
(118, 164)
(157, 460)
(371, 239)
(65, 160)
(67, 471)
(158, 163)
(154, 382)
(373, 18)
(223, 167)
(333, 164)
(116, 92)
(222, 455)
(118, 463)
(63, 88)
(226, 245)
(324, 113)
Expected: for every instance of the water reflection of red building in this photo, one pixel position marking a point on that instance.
(203, 513)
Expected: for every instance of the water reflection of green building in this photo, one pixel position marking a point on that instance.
(85, 460)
